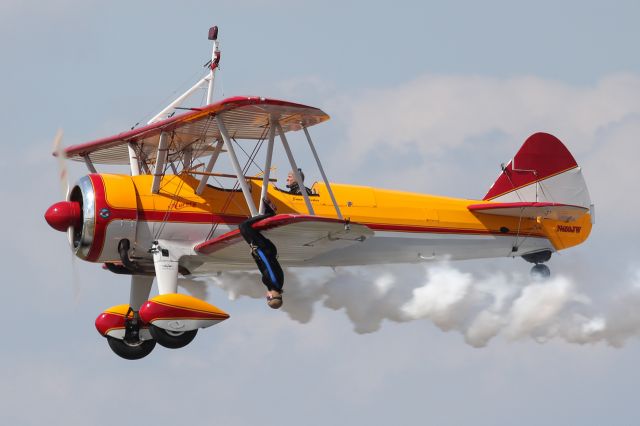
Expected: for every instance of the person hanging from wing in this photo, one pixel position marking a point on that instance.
(265, 255)
(293, 186)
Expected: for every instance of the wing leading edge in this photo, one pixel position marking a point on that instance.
(246, 117)
(298, 238)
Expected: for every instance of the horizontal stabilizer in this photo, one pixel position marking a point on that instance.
(297, 237)
(532, 210)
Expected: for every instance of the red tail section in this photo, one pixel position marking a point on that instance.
(543, 170)
(543, 181)
(541, 156)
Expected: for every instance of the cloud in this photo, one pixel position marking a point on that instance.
(442, 112)
(310, 88)
(513, 306)
(449, 134)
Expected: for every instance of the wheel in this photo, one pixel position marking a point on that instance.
(540, 271)
(172, 339)
(129, 351)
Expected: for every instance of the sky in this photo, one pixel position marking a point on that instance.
(424, 96)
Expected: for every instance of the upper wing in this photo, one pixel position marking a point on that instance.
(531, 210)
(297, 237)
(244, 118)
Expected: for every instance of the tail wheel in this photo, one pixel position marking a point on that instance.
(131, 351)
(172, 339)
(540, 271)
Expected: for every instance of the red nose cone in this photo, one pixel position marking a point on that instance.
(64, 214)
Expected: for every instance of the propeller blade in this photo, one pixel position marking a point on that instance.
(63, 176)
(63, 179)
(75, 280)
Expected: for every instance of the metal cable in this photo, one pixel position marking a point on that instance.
(247, 165)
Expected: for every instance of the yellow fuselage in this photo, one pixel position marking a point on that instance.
(387, 212)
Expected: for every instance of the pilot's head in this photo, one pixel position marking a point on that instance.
(291, 177)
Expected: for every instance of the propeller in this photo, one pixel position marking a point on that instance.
(63, 176)
(63, 179)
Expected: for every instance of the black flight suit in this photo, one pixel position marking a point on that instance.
(264, 253)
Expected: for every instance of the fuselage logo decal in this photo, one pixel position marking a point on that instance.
(181, 204)
(567, 228)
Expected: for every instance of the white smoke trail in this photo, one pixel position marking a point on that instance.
(511, 306)
(194, 287)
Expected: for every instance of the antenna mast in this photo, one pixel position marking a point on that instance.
(215, 60)
(208, 79)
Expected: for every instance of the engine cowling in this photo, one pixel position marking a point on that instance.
(101, 210)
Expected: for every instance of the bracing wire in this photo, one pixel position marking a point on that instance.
(231, 197)
(147, 116)
(250, 160)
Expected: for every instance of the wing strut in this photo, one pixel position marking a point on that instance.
(267, 165)
(210, 164)
(294, 168)
(324, 176)
(236, 166)
(89, 164)
(161, 158)
(187, 157)
(134, 162)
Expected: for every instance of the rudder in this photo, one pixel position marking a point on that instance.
(543, 170)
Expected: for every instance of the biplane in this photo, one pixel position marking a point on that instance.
(170, 215)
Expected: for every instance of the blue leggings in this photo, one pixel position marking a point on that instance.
(264, 253)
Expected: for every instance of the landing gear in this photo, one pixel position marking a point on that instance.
(172, 339)
(132, 346)
(131, 351)
(166, 266)
(540, 271)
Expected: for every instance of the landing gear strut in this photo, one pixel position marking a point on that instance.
(131, 346)
(539, 270)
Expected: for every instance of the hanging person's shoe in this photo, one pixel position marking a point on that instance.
(274, 299)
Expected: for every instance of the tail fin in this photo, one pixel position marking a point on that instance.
(543, 170)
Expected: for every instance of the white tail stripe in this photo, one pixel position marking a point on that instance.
(567, 187)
